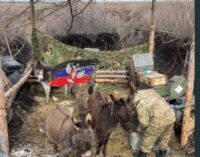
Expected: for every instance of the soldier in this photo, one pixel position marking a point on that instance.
(156, 122)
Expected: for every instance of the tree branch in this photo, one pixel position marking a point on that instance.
(83, 8)
(23, 79)
(38, 19)
(8, 46)
(74, 15)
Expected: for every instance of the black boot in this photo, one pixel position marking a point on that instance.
(161, 153)
(140, 154)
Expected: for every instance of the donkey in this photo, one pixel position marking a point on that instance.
(105, 117)
(75, 138)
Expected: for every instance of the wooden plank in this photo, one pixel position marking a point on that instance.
(112, 72)
(112, 76)
(111, 81)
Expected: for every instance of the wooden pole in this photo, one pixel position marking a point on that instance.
(32, 13)
(4, 142)
(189, 96)
(35, 41)
(132, 75)
(153, 27)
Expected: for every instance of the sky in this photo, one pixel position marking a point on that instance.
(93, 0)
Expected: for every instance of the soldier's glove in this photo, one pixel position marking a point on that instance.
(141, 128)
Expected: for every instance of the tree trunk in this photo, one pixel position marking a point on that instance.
(189, 95)
(4, 142)
(153, 25)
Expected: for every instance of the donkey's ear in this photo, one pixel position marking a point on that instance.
(88, 118)
(129, 98)
(76, 123)
(113, 98)
(122, 101)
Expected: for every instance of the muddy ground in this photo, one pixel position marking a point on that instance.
(27, 129)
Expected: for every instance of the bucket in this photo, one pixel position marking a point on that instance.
(135, 140)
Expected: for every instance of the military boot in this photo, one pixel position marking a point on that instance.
(140, 154)
(161, 153)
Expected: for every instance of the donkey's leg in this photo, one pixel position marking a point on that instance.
(47, 90)
(66, 90)
(66, 151)
(99, 145)
(55, 147)
(105, 146)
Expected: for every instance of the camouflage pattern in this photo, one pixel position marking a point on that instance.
(157, 116)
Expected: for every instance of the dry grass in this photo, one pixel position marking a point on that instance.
(174, 17)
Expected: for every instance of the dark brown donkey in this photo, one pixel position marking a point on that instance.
(105, 117)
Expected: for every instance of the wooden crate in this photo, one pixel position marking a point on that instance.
(153, 79)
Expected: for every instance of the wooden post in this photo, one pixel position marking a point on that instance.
(189, 96)
(35, 42)
(4, 142)
(32, 13)
(153, 26)
(132, 77)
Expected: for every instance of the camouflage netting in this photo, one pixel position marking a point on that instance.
(55, 52)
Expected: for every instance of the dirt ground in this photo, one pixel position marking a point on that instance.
(29, 139)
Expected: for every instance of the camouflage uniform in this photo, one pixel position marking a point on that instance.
(157, 116)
